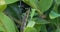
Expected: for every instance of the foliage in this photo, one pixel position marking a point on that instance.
(29, 15)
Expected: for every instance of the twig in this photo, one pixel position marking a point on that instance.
(24, 21)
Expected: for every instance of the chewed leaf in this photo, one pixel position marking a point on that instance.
(53, 15)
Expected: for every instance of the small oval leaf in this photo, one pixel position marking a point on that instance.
(53, 15)
(57, 1)
(8, 24)
(30, 29)
(31, 24)
(42, 5)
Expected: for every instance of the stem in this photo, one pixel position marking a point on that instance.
(24, 21)
(41, 14)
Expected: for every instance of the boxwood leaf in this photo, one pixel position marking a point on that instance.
(42, 5)
(8, 24)
(57, 1)
(2, 29)
(30, 29)
(57, 30)
(32, 13)
(31, 24)
(53, 15)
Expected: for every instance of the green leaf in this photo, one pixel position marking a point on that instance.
(2, 29)
(8, 24)
(57, 30)
(13, 10)
(43, 28)
(31, 24)
(53, 15)
(2, 5)
(42, 5)
(32, 13)
(40, 21)
(30, 29)
(10, 1)
(38, 27)
(57, 1)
